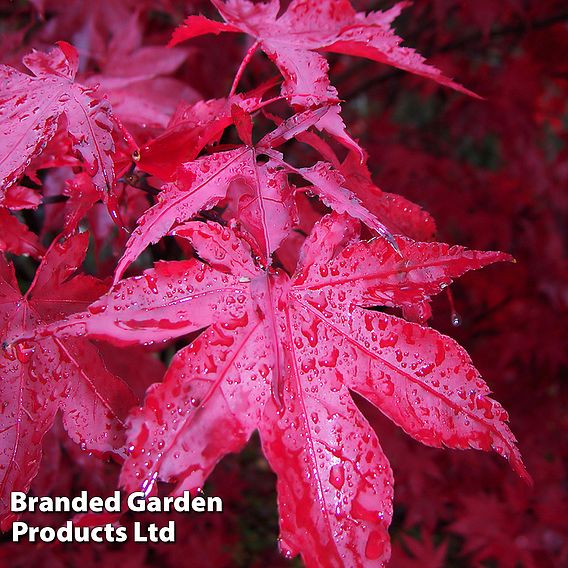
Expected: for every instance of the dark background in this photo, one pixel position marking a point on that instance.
(494, 175)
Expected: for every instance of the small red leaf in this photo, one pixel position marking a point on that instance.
(44, 375)
(33, 105)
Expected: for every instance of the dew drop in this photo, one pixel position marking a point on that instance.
(456, 319)
(337, 476)
(97, 308)
(375, 547)
(24, 352)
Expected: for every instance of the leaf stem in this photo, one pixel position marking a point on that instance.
(244, 63)
(126, 135)
(268, 102)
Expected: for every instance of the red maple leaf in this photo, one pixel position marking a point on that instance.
(32, 105)
(295, 39)
(40, 377)
(281, 355)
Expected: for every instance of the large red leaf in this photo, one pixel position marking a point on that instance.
(40, 377)
(294, 39)
(280, 355)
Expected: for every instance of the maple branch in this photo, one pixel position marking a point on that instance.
(504, 31)
(52, 199)
(139, 181)
(134, 180)
(269, 102)
(244, 63)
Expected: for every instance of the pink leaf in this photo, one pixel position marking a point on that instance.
(295, 39)
(32, 106)
(41, 376)
(281, 355)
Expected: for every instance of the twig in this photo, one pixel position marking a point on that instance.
(244, 63)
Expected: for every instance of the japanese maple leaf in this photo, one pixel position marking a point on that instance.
(44, 376)
(134, 77)
(15, 237)
(32, 105)
(280, 355)
(294, 40)
(253, 178)
(82, 197)
(400, 215)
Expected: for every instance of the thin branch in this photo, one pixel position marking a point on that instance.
(244, 63)
(139, 181)
(51, 199)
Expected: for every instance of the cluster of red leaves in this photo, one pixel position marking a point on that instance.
(291, 294)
